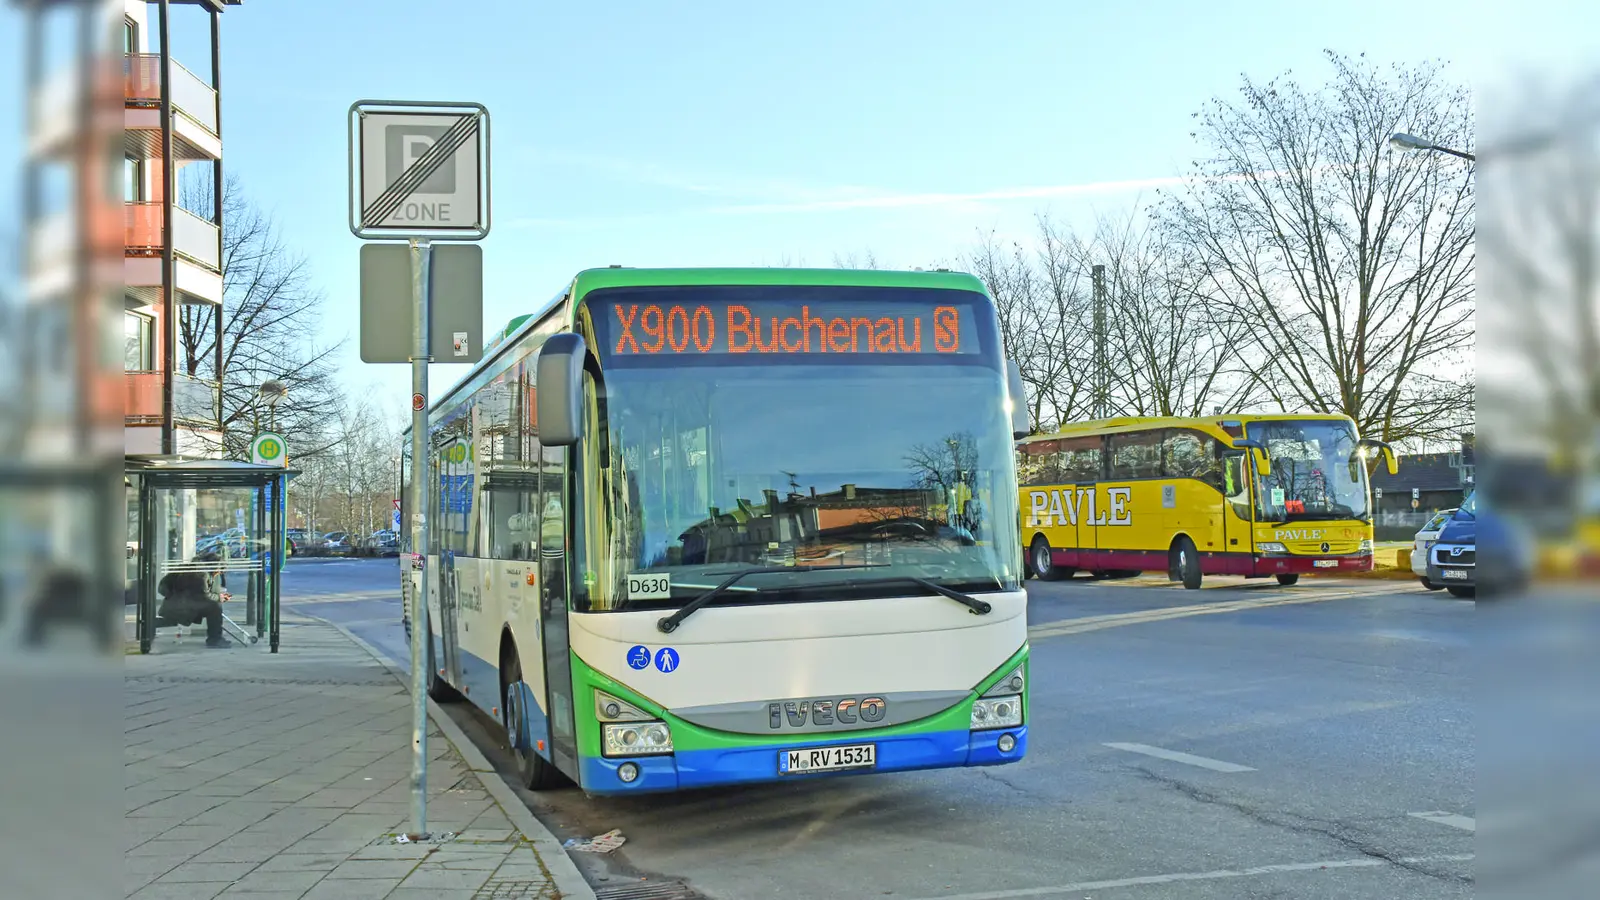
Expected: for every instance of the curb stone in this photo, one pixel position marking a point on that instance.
(563, 871)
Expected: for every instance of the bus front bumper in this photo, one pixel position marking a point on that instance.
(743, 765)
(1312, 565)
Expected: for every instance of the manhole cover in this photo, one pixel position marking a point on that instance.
(652, 890)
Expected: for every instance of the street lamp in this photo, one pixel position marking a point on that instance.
(273, 391)
(1402, 141)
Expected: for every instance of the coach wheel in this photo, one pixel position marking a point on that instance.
(1185, 563)
(1463, 592)
(534, 772)
(1042, 564)
(1288, 578)
(1428, 583)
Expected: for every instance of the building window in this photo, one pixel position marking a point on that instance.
(132, 180)
(130, 36)
(137, 331)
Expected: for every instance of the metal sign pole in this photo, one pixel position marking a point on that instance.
(421, 253)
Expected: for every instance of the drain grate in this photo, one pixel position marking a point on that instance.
(514, 889)
(655, 890)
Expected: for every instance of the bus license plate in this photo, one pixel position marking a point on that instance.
(1326, 563)
(1454, 573)
(827, 759)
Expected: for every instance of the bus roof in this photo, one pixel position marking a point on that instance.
(595, 279)
(1142, 423)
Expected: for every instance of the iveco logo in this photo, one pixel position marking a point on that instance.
(847, 710)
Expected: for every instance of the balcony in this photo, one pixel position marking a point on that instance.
(195, 401)
(190, 96)
(194, 238)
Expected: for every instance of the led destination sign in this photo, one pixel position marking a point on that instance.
(662, 329)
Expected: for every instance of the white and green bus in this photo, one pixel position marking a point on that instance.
(693, 527)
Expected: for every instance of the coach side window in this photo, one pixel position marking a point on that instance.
(1136, 455)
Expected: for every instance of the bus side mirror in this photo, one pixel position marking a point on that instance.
(1389, 460)
(1258, 455)
(1021, 427)
(558, 379)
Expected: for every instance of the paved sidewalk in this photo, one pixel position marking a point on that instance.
(264, 776)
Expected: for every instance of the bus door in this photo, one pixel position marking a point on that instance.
(1237, 515)
(449, 592)
(553, 613)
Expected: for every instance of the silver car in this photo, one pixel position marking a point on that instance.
(1422, 544)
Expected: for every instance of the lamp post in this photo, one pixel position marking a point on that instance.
(273, 391)
(1402, 141)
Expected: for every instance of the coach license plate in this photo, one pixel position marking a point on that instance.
(1326, 563)
(1454, 573)
(827, 759)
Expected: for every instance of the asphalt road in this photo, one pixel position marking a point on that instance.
(1242, 741)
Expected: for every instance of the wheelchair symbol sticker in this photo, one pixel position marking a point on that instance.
(667, 660)
(639, 657)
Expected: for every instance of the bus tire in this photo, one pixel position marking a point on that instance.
(1042, 565)
(534, 772)
(1288, 578)
(1186, 563)
(1465, 593)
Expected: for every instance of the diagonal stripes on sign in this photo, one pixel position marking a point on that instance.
(464, 129)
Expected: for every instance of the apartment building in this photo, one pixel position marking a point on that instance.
(172, 177)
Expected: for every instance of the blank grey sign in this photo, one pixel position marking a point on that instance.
(386, 304)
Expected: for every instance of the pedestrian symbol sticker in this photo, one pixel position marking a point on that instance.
(639, 657)
(667, 660)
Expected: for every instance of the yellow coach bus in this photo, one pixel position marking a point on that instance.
(1251, 495)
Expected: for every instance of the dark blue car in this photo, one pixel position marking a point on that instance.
(1453, 558)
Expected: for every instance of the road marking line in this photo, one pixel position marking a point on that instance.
(1465, 823)
(1365, 862)
(1117, 620)
(1214, 765)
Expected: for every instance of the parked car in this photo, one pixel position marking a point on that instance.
(1453, 558)
(381, 543)
(298, 538)
(337, 542)
(1423, 543)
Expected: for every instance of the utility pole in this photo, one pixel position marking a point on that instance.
(1102, 377)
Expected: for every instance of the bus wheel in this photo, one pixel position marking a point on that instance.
(1186, 563)
(1463, 592)
(1042, 564)
(1288, 578)
(533, 771)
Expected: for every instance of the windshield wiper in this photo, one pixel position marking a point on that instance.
(669, 624)
(978, 607)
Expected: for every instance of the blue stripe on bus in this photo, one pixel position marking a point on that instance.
(743, 765)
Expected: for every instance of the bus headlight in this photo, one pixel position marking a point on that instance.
(997, 712)
(1271, 547)
(1011, 684)
(636, 738)
(1366, 546)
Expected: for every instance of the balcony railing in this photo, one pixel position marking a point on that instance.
(190, 95)
(196, 238)
(195, 401)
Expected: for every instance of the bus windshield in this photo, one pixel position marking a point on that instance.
(878, 471)
(1318, 472)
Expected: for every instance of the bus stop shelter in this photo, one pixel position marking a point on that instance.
(180, 507)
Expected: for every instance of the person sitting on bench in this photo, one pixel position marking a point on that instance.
(191, 596)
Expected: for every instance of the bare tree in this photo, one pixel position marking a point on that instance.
(1541, 272)
(271, 330)
(1171, 354)
(1349, 266)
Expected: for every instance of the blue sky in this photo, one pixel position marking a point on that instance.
(703, 133)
